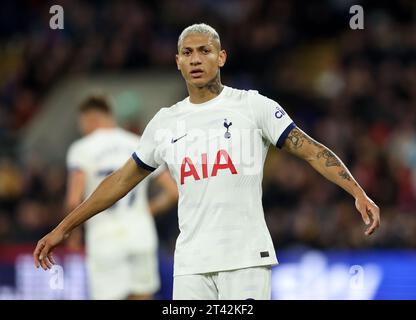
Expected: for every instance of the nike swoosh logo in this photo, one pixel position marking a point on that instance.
(174, 140)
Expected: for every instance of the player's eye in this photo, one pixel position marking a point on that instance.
(186, 52)
(205, 51)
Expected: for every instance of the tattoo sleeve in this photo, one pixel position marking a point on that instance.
(297, 138)
(330, 159)
(345, 175)
(321, 159)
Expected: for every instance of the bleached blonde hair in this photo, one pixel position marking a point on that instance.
(201, 28)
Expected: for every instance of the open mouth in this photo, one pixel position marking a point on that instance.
(196, 73)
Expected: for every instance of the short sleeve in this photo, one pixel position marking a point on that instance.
(76, 159)
(271, 118)
(145, 155)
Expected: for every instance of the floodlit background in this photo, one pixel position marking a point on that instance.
(353, 90)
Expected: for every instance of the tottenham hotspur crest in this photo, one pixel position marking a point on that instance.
(227, 134)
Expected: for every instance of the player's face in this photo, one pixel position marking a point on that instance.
(199, 59)
(87, 122)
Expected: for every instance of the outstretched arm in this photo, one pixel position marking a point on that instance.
(331, 167)
(109, 191)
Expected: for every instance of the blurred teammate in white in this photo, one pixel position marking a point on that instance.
(121, 243)
(214, 143)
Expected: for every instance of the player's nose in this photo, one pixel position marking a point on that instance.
(195, 59)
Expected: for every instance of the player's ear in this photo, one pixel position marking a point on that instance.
(177, 61)
(222, 57)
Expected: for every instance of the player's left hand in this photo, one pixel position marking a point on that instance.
(370, 213)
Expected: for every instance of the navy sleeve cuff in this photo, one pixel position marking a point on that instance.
(284, 135)
(140, 163)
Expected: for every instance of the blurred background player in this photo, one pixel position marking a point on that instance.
(121, 243)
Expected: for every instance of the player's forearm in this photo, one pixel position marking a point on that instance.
(328, 164)
(322, 160)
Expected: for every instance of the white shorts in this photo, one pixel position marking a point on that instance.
(240, 284)
(113, 277)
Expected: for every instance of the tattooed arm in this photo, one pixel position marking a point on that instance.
(331, 167)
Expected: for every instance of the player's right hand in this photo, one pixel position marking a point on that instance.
(42, 255)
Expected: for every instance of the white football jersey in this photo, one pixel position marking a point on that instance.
(128, 223)
(215, 151)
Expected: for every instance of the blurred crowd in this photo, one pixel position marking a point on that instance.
(353, 90)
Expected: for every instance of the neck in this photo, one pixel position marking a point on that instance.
(106, 123)
(209, 91)
(103, 124)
